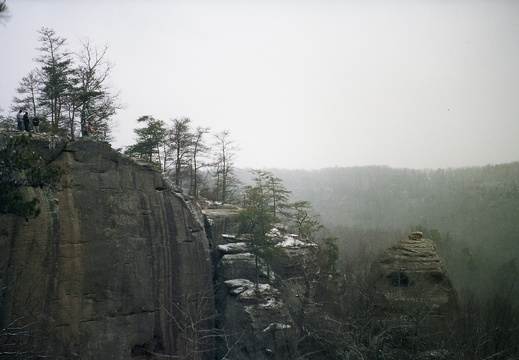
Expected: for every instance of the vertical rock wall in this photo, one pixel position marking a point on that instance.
(116, 266)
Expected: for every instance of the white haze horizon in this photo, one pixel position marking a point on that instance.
(307, 84)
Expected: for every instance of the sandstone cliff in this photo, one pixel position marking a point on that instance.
(116, 266)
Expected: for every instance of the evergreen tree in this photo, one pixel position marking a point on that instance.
(20, 167)
(329, 255)
(179, 142)
(305, 222)
(256, 220)
(62, 93)
(149, 140)
(279, 195)
(55, 74)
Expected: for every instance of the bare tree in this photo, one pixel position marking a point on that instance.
(93, 96)
(191, 316)
(16, 337)
(225, 152)
(179, 141)
(29, 91)
(200, 149)
(195, 323)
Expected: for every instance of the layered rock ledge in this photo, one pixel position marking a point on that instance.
(411, 279)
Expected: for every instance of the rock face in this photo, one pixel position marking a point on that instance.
(411, 281)
(116, 266)
(255, 320)
(119, 265)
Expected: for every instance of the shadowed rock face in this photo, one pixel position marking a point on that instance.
(410, 278)
(113, 258)
(254, 319)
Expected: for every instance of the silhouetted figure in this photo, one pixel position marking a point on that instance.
(19, 120)
(90, 130)
(26, 122)
(36, 124)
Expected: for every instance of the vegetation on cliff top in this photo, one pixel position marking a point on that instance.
(21, 167)
(67, 89)
(183, 154)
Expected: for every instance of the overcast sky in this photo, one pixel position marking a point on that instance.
(303, 84)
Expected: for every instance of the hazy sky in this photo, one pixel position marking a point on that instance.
(303, 84)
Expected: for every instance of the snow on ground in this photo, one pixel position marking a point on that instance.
(286, 240)
(264, 293)
(276, 326)
(246, 256)
(234, 247)
(246, 288)
(229, 237)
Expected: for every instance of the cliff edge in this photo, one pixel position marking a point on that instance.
(116, 266)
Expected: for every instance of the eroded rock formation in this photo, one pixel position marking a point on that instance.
(412, 283)
(116, 266)
(254, 318)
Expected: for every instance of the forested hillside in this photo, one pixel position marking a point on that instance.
(471, 213)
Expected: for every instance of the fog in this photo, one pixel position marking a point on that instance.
(302, 84)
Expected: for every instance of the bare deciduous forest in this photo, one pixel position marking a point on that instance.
(471, 215)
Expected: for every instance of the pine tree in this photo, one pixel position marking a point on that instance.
(305, 221)
(149, 141)
(256, 220)
(55, 74)
(20, 167)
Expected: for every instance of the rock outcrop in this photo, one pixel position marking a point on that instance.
(255, 320)
(116, 266)
(120, 265)
(412, 283)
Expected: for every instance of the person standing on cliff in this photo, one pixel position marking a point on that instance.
(36, 124)
(90, 130)
(19, 120)
(26, 122)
